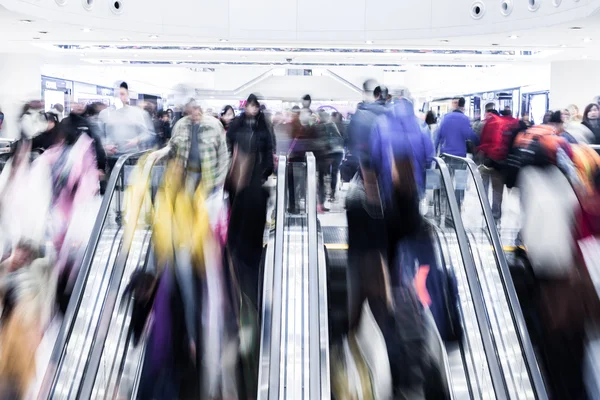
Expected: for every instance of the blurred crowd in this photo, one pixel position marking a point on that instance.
(208, 221)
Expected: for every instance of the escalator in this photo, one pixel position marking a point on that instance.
(522, 376)
(470, 366)
(75, 338)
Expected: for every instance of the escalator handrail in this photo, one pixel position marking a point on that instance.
(66, 328)
(315, 373)
(270, 344)
(509, 286)
(491, 355)
(99, 339)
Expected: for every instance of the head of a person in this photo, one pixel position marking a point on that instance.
(430, 118)
(461, 103)
(525, 116)
(368, 89)
(195, 111)
(24, 253)
(556, 120)
(170, 113)
(573, 110)
(78, 108)
(547, 116)
(124, 92)
(227, 114)
(490, 109)
(252, 106)
(164, 116)
(59, 107)
(306, 101)
(454, 103)
(565, 115)
(324, 116)
(591, 112)
(52, 119)
(295, 113)
(337, 117)
(381, 93)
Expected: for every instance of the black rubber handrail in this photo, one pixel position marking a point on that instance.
(99, 339)
(66, 328)
(483, 322)
(509, 287)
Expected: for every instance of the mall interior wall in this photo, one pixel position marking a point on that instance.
(574, 82)
(20, 81)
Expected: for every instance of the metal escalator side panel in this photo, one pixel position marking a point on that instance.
(506, 295)
(323, 322)
(67, 326)
(483, 322)
(271, 337)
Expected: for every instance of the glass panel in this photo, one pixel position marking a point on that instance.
(486, 261)
(472, 354)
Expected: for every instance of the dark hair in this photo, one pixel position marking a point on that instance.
(227, 108)
(307, 98)
(59, 107)
(381, 91)
(369, 85)
(461, 102)
(124, 85)
(506, 112)
(252, 100)
(51, 117)
(555, 117)
(489, 107)
(588, 108)
(430, 118)
(169, 111)
(295, 109)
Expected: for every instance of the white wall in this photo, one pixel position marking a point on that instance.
(20, 81)
(574, 82)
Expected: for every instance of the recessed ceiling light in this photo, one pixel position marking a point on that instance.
(444, 41)
(587, 39)
(36, 38)
(563, 45)
(124, 39)
(369, 42)
(370, 65)
(576, 28)
(495, 44)
(153, 36)
(26, 21)
(513, 37)
(404, 58)
(350, 58)
(226, 63)
(190, 56)
(584, 56)
(224, 40)
(43, 32)
(86, 30)
(135, 55)
(212, 97)
(244, 57)
(388, 51)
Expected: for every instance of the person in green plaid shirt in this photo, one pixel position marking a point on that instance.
(199, 146)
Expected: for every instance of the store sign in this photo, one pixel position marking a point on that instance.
(103, 91)
(51, 85)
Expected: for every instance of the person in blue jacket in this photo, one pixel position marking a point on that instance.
(452, 136)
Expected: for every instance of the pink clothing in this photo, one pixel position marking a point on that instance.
(81, 185)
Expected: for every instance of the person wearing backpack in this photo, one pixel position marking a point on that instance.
(493, 150)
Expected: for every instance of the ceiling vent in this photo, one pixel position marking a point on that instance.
(506, 7)
(477, 10)
(87, 4)
(534, 5)
(116, 6)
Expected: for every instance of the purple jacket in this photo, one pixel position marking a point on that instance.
(399, 130)
(453, 134)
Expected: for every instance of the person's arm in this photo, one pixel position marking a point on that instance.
(429, 150)
(222, 158)
(99, 149)
(440, 135)
(469, 133)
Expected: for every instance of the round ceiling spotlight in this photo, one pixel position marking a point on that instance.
(61, 2)
(556, 3)
(477, 10)
(506, 7)
(534, 5)
(87, 4)
(116, 6)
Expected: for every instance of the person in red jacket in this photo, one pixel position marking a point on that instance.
(493, 150)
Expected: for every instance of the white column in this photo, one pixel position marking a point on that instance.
(20, 81)
(574, 82)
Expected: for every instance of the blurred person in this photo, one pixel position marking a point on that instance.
(546, 118)
(575, 114)
(557, 121)
(307, 116)
(493, 150)
(329, 156)
(591, 120)
(1, 119)
(227, 115)
(59, 110)
(170, 114)
(33, 119)
(126, 129)
(525, 120)
(163, 129)
(200, 149)
(508, 116)
(431, 122)
(50, 136)
(577, 133)
(381, 95)
(338, 119)
(452, 136)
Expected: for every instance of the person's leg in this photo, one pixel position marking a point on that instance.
(335, 168)
(322, 165)
(497, 194)
(291, 187)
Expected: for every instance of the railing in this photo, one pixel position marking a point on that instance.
(270, 341)
(66, 328)
(509, 287)
(483, 322)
